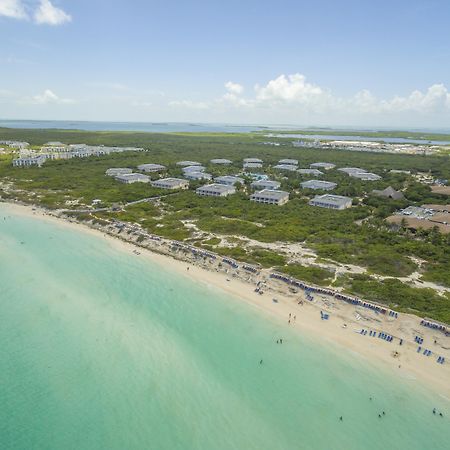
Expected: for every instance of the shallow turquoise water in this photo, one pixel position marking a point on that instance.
(102, 349)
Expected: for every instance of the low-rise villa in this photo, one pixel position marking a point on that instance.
(350, 170)
(193, 169)
(331, 201)
(198, 176)
(270, 197)
(322, 165)
(129, 178)
(188, 163)
(171, 183)
(365, 176)
(314, 172)
(30, 161)
(265, 184)
(215, 190)
(252, 165)
(253, 160)
(118, 171)
(293, 162)
(151, 167)
(288, 167)
(229, 180)
(318, 185)
(221, 161)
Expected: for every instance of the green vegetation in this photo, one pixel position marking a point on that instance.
(355, 236)
(315, 275)
(400, 296)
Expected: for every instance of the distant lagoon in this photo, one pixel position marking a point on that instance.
(389, 140)
(199, 127)
(152, 127)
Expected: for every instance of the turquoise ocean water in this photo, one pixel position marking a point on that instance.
(102, 349)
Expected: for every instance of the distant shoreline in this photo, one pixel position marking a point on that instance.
(204, 127)
(341, 330)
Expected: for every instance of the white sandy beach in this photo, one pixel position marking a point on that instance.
(341, 331)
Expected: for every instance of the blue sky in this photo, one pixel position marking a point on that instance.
(347, 62)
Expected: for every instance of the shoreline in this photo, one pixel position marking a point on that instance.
(341, 330)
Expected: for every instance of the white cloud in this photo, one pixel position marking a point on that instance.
(435, 99)
(13, 9)
(290, 88)
(50, 15)
(294, 99)
(49, 97)
(234, 88)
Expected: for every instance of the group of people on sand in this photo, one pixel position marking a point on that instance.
(292, 318)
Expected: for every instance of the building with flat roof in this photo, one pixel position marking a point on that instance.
(229, 180)
(322, 165)
(270, 197)
(171, 183)
(221, 161)
(198, 176)
(318, 184)
(193, 169)
(151, 167)
(314, 172)
(118, 171)
(292, 162)
(265, 184)
(31, 161)
(252, 165)
(365, 176)
(331, 201)
(129, 178)
(349, 170)
(188, 163)
(253, 160)
(215, 190)
(288, 167)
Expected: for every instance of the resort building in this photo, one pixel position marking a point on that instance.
(265, 184)
(350, 170)
(188, 163)
(197, 176)
(221, 161)
(253, 160)
(270, 197)
(193, 169)
(252, 165)
(331, 201)
(292, 162)
(151, 168)
(229, 180)
(216, 190)
(129, 178)
(389, 192)
(318, 184)
(289, 167)
(171, 183)
(31, 161)
(365, 176)
(54, 147)
(322, 165)
(314, 172)
(118, 171)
